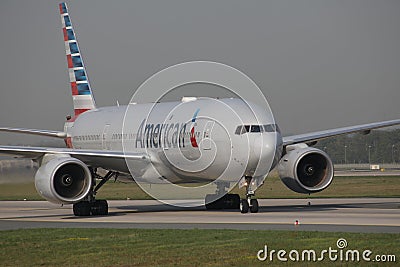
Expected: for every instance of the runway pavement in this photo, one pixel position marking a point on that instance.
(343, 215)
(366, 173)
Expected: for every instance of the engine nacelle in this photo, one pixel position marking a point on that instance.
(305, 169)
(63, 180)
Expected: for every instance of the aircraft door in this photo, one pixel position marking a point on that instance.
(105, 138)
(207, 135)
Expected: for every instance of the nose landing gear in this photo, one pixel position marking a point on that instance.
(250, 203)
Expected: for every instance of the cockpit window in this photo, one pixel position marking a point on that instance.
(238, 130)
(256, 128)
(269, 128)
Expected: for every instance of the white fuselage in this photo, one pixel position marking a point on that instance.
(197, 140)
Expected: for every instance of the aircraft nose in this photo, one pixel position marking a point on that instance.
(265, 145)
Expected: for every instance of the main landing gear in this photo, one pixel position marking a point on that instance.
(91, 206)
(228, 201)
(249, 203)
(232, 201)
(220, 200)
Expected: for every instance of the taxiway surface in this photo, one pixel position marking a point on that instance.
(343, 215)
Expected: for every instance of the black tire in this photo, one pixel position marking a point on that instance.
(214, 205)
(244, 206)
(254, 206)
(104, 207)
(100, 207)
(232, 201)
(229, 201)
(210, 205)
(82, 208)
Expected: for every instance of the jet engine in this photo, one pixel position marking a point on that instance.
(63, 180)
(305, 169)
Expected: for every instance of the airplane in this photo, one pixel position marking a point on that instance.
(178, 142)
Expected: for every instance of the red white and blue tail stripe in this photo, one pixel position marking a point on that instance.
(81, 91)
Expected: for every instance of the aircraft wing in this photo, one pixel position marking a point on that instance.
(95, 158)
(56, 134)
(315, 136)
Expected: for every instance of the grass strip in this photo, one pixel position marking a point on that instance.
(144, 247)
(379, 186)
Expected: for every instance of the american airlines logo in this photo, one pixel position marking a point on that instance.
(167, 135)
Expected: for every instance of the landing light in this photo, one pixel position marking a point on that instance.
(188, 99)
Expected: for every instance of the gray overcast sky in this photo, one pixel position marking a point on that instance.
(321, 64)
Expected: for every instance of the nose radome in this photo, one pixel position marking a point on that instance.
(265, 146)
(265, 142)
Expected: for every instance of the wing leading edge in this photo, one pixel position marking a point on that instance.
(48, 133)
(316, 136)
(95, 158)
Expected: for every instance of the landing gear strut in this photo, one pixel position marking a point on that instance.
(91, 206)
(249, 203)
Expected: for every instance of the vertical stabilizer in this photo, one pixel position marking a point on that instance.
(81, 91)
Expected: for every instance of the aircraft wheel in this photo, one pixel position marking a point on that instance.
(244, 206)
(99, 207)
(82, 208)
(212, 205)
(235, 201)
(253, 206)
(229, 201)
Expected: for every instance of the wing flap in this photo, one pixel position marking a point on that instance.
(316, 136)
